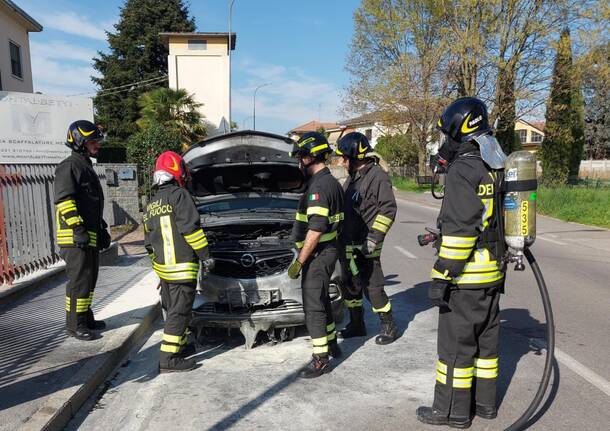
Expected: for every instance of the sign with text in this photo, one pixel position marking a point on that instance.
(33, 127)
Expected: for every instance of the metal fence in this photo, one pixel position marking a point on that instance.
(27, 219)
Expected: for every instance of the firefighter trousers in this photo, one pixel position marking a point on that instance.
(370, 281)
(177, 300)
(82, 268)
(315, 281)
(467, 367)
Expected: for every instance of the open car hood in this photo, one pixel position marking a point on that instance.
(244, 161)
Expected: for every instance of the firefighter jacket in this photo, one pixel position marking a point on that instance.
(370, 208)
(79, 200)
(467, 215)
(320, 209)
(173, 236)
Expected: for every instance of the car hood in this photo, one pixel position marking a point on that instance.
(241, 162)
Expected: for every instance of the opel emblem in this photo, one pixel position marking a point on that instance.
(247, 260)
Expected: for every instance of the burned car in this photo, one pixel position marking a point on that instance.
(246, 188)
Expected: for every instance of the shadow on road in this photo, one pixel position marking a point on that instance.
(519, 335)
(406, 304)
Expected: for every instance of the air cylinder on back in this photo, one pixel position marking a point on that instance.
(520, 200)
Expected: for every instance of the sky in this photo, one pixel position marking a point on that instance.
(299, 47)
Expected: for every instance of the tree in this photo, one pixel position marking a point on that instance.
(145, 146)
(556, 148)
(137, 55)
(577, 121)
(594, 67)
(175, 110)
(397, 63)
(521, 53)
(397, 150)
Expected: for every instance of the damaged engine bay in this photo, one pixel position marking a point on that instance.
(250, 251)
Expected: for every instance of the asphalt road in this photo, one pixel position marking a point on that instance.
(377, 387)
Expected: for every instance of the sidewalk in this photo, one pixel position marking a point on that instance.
(45, 376)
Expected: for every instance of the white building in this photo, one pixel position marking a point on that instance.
(199, 63)
(15, 64)
(372, 127)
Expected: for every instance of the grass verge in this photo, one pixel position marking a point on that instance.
(577, 204)
(408, 185)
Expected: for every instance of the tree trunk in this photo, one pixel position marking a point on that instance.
(504, 109)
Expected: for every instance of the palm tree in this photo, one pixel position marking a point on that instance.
(175, 110)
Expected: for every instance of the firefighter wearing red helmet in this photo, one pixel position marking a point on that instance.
(81, 229)
(175, 243)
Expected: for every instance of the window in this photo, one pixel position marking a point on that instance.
(536, 137)
(369, 134)
(15, 60)
(522, 135)
(200, 45)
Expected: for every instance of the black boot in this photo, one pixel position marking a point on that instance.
(334, 350)
(93, 324)
(355, 327)
(176, 364)
(83, 334)
(430, 416)
(486, 412)
(188, 350)
(319, 364)
(389, 331)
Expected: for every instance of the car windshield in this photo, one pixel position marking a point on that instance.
(250, 204)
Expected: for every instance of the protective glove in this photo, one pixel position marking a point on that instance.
(294, 270)
(368, 247)
(81, 237)
(103, 239)
(437, 293)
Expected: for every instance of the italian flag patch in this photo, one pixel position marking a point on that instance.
(314, 197)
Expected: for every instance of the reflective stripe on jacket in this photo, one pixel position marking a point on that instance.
(369, 205)
(174, 238)
(320, 209)
(467, 211)
(79, 200)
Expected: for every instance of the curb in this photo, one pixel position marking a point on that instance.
(65, 403)
(21, 287)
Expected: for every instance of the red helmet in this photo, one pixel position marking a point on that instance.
(173, 164)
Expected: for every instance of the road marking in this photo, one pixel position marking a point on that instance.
(551, 240)
(586, 373)
(405, 252)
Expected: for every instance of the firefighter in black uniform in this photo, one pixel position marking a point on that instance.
(81, 229)
(370, 209)
(318, 218)
(467, 278)
(175, 243)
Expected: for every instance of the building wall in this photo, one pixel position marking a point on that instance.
(528, 130)
(121, 198)
(204, 73)
(13, 30)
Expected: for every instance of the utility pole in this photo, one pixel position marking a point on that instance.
(254, 104)
(230, 40)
